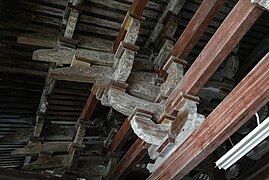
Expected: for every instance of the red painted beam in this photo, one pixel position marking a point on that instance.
(194, 30)
(89, 107)
(228, 35)
(137, 9)
(87, 110)
(248, 97)
(121, 136)
(133, 156)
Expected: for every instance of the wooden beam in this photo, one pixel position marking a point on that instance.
(82, 72)
(24, 175)
(43, 104)
(137, 9)
(130, 159)
(174, 7)
(248, 97)
(33, 149)
(121, 136)
(80, 129)
(231, 31)
(89, 107)
(194, 30)
(198, 24)
(126, 104)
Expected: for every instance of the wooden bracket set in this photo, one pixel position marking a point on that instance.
(124, 27)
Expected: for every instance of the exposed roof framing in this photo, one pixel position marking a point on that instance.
(131, 88)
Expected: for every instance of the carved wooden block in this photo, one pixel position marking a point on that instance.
(175, 74)
(124, 66)
(71, 24)
(82, 72)
(163, 54)
(60, 56)
(125, 103)
(147, 130)
(143, 90)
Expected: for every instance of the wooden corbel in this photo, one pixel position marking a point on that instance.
(82, 72)
(146, 129)
(125, 103)
(175, 69)
(182, 124)
(128, 20)
(123, 66)
(170, 23)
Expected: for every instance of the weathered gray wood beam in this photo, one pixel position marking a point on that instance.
(143, 90)
(60, 56)
(83, 72)
(175, 73)
(43, 105)
(80, 129)
(174, 7)
(126, 104)
(95, 57)
(50, 40)
(163, 54)
(34, 148)
(148, 77)
(71, 24)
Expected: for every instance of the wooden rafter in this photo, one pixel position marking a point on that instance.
(121, 136)
(248, 97)
(130, 159)
(234, 27)
(194, 30)
(225, 39)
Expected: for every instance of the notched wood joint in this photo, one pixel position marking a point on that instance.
(124, 45)
(116, 86)
(172, 60)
